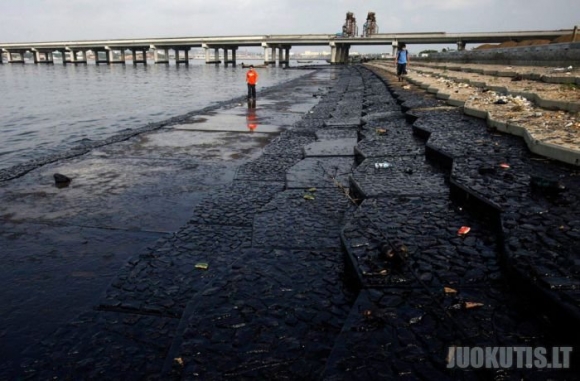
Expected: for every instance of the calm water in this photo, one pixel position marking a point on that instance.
(47, 108)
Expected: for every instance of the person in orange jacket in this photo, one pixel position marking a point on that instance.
(251, 80)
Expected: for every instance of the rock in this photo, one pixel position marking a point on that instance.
(548, 186)
(61, 180)
(394, 256)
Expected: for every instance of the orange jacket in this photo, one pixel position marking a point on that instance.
(251, 77)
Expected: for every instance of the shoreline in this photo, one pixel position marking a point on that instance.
(311, 262)
(19, 170)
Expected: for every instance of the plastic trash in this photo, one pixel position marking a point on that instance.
(463, 230)
(562, 69)
(382, 165)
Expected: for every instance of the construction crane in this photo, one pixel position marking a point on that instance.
(370, 27)
(349, 29)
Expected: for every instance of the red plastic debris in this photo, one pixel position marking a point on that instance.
(504, 165)
(463, 230)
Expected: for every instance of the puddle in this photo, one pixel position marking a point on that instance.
(239, 120)
(262, 129)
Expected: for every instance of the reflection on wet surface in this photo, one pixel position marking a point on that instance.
(256, 127)
(252, 118)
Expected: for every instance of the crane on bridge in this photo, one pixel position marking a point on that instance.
(349, 29)
(370, 27)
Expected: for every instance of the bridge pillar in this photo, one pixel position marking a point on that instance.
(285, 55)
(280, 56)
(273, 56)
(136, 60)
(333, 54)
(208, 60)
(63, 55)
(344, 55)
(98, 59)
(76, 59)
(233, 61)
(72, 56)
(460, 45)
(111, 56)
(20, 56)
(339, 54)
(227, 60)
(161, 58)
(38, 55)
(395, 45)
(268, 58)
(185, 59)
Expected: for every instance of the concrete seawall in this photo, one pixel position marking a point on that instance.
(564, 54)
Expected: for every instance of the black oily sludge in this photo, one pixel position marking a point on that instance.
(377, 274)
(253, 287)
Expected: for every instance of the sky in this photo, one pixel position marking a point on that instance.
(70, 20)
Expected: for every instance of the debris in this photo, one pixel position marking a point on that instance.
(504, 166)
(463, 230)
(382, 165)
(406, 87)
(465, 305)
(415, 320)
(381, 131)
(469, 305)
(562, 69)
(308, 197)
(202, 266)
(312, 189)
(409, 171)
(501, 101)
(517, 78)
(449, 290)
(178, 361)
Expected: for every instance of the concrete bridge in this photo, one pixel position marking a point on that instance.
(113, 51)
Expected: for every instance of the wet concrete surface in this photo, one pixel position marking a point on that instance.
(314, 268)
(62, 246)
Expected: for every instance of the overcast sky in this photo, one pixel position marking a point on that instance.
(67, 20)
